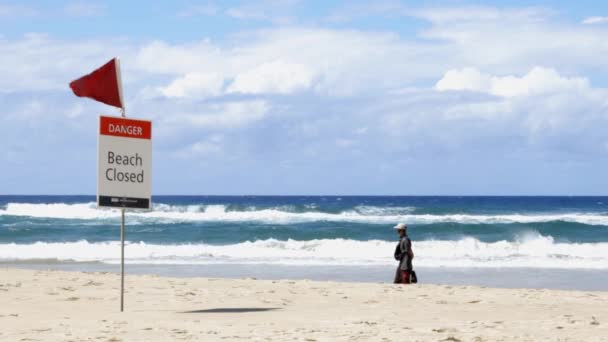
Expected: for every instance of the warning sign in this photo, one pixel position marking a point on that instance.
(124, 157)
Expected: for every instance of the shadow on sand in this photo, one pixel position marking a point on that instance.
(231, 310)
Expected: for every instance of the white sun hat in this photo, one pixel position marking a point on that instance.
(400, 226)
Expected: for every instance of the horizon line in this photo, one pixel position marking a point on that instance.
(310, 195)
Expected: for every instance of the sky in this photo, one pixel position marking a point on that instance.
(314, 97)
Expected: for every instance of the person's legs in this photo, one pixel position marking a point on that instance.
(397, 276)
(405, 277)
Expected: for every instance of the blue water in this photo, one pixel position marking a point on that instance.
(530, 232)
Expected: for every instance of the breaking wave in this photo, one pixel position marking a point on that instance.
(532, 250)
(163, 213)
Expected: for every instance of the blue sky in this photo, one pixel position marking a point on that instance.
(315, 97)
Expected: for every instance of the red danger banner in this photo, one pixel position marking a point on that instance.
(127, 128)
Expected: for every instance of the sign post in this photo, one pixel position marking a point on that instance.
(122, 259)
(124, 157)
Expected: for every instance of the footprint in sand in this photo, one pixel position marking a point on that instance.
(366, 323)
(453, 339)
(92, 283)
(594, 321)
(17, 284)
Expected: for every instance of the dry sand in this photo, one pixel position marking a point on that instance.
(69, 306)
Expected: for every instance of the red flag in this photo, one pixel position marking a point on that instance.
(101, 85)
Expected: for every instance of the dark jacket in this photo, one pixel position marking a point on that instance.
(403, 250)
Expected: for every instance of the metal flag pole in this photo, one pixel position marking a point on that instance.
(122, 260)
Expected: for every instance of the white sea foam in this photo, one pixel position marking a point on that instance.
(382, 211)
(533, 251)
(163, 213)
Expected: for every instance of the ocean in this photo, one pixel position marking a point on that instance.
(558, 242)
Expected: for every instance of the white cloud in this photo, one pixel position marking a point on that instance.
(159, 57)
(464, 79)
(355, 10)
(364, 68)
(241, 13)
(506, 40)
(202, 148)
(221, 115)
(294, 59)
(538, 81)
(274, 77)
(17, 11)
(38, 62)
(73, 9)
(361, 59)
(195, 85)
(84, 9)
(202, 10)
(329, 61)
(595, 20)
(450, 15)
(345, 143)
(275, 11)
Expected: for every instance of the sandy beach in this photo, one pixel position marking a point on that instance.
(72, 306)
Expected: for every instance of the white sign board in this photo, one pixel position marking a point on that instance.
(124, 157)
